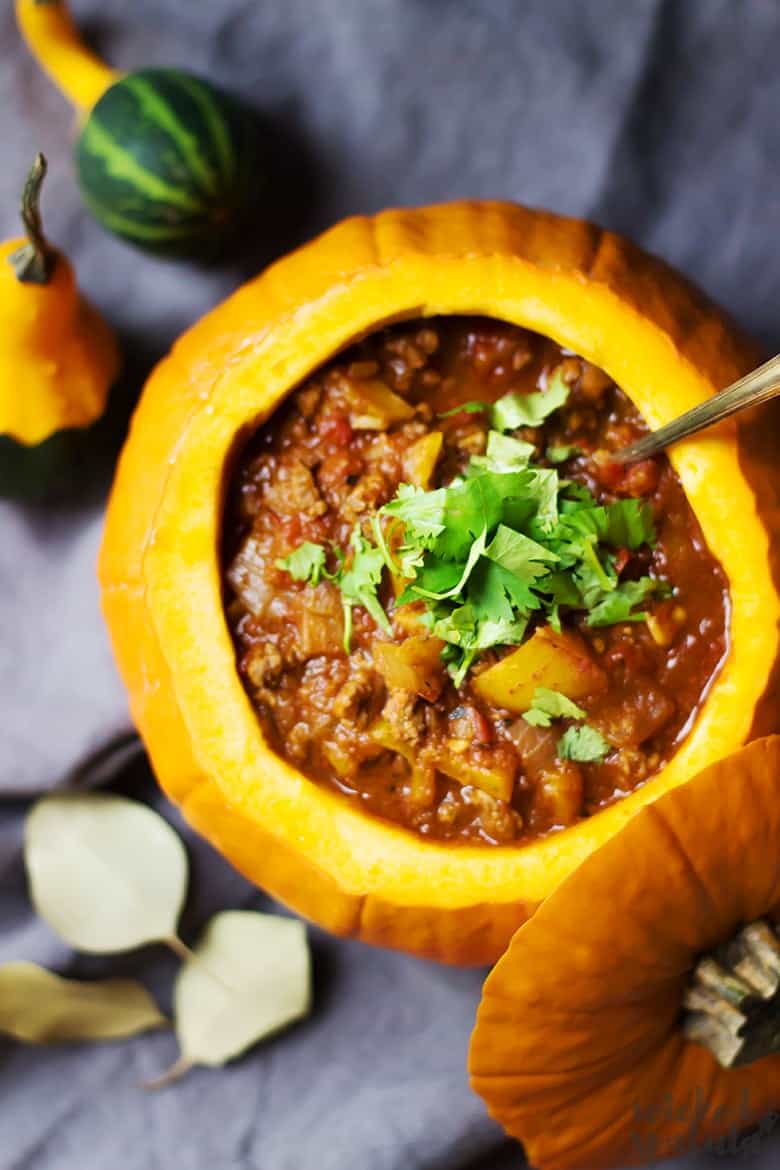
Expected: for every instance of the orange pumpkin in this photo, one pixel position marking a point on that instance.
(590, 291)
(580, 1049)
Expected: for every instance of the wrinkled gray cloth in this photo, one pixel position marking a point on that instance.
(658, 118)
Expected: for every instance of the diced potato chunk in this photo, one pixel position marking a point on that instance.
(559, 662)
(409, 618)
(497, 777)
(412, 665)
(419, 461)
(558, 800)
(375, 406)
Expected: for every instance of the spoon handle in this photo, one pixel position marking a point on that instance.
(757, 387)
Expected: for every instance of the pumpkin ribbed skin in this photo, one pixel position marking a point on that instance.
(578, 1048)
(665, 345)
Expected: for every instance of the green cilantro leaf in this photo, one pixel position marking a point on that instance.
(443, 568)
(562, 587)
(358, 584)
(542, 484)
(421, 511)
(547, 705)
(575, 495)
(305, 563)
(629, 524)
(467, 633)
(592, 578)
(458, 628)
(503, 453)
(561, 454)
(529, 410)
(622, 524)
(618, 605)
(522, 556)
(496, 593)
(471, 407)
(471, 509)
(433, 579)
(519, 565)
(584, 744)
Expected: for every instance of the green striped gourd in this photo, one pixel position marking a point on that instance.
(166, 161)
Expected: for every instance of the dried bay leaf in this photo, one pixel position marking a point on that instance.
(106, 873)
(37, 1006)
(249, 976)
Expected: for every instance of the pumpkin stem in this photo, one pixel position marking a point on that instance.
(34, 262)
(733, 1000)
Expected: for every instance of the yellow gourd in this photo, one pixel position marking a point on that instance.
(58, 357)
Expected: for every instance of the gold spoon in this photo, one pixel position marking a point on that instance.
(755, 388)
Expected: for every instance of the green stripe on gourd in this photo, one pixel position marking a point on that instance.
(224, 147)
(163, 111)
(166, 161)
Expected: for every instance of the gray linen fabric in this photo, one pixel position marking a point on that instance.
(657, 117)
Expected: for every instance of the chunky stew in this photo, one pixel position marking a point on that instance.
(448, 603)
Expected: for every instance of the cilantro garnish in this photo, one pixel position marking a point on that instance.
(502, 453)
(548, 705)
(305, 563)
(618, 605)
(584, 744)
(358, 584)
(357, 577)
(517, 409)
(529, 410)
(561, 454)
(504, 542)
(622, 524)
(471, 407)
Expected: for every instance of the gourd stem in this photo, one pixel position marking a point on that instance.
(53, 39)
(733, 1000)
(179, 948)
(34, 262)
(177, 1070)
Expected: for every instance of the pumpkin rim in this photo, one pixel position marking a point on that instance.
(360, 853)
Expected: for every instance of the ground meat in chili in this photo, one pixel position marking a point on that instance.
(334, 453)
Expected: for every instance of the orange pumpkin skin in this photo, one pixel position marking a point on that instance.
(588, 290)
(578, 1049)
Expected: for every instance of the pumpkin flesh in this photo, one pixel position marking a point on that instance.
(587, 291)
